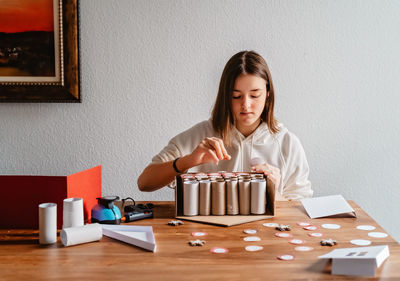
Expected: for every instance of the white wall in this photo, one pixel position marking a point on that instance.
(151, 69)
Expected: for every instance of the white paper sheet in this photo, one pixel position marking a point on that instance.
(325, 206)
(141, 236)
(357, 261)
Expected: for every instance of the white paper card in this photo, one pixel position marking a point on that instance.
(141, 236)
(357, 261)
(325, 206)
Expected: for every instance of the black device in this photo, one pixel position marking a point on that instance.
(136, 212)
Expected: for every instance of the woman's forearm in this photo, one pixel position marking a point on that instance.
(158, 175)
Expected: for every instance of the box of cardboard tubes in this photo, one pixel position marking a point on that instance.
(224, 194)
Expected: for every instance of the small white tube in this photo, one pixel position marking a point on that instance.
(81, 234)
(47, 223)
(72, 212)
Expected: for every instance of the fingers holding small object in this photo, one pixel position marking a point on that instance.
(216, 146)
(262, 168)
(225, 153)
(268, 170)
(213, 155)
(257, 169)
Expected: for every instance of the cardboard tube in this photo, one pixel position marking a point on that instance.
(258, 196)
(47, 223)
(232, 200)
(205, 198)
(72, 212)
(244, 195)
(191, 198)
(218, 197)
(81, 234)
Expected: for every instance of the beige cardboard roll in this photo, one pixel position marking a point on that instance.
(232, 198)
(258, 196)
(191, 198)
(205, 198)
(218, 197)
(81, 234)
(244, 197)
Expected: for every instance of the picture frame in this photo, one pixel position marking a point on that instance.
(66, 84)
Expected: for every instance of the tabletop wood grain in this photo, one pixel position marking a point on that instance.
(22, 258)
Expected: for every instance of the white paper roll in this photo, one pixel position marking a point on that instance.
(47, 223)
(190, 198)
(81, 234)
(258, 196)
(72, 212)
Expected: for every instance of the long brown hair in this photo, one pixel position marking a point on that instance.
(245, 62)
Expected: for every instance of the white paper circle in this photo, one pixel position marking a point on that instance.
(360, 242)
(366, 227)
(311, 227)
(254, 248)
(199, 234)
(315, 234)
(296, 241)
(283, 235)
(252, 238)
(302, 223)
(219, 250)
(270, 224)
(304, 248)
(250, 231)
(331, 226)
(377, 234)
(286, 257)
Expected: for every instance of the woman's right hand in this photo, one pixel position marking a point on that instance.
(209, 150)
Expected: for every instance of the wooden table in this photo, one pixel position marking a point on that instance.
(22, 258)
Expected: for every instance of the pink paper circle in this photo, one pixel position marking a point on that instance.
(286, 257)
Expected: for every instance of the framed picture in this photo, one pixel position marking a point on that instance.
(39, 51)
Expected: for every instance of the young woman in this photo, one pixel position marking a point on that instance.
(242, 135)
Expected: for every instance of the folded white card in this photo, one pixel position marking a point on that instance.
(326, 206)
(141, 236)
(357, 261)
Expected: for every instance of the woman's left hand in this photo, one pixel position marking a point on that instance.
(272, 173)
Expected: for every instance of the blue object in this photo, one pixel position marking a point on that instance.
(105, 211)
